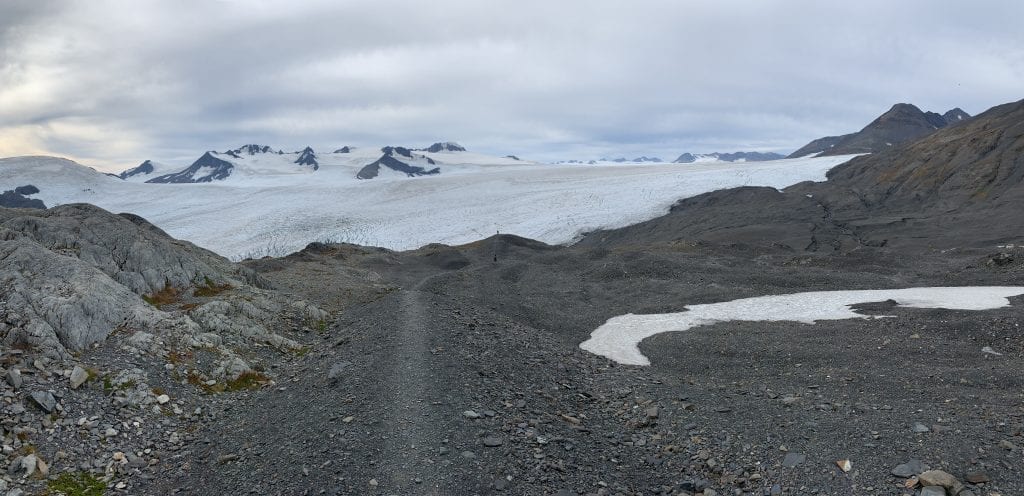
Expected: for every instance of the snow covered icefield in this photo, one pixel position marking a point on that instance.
(619, 337)
(275, 214)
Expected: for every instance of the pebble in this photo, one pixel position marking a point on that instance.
(492, 441)
(163, 399)
(977, 477)
(933, 491)
(13, 377)
(470, 414)
(793, 459)
(937, 478)
(921, 428)
(909, 469)
(45, 401)
(1007, 445)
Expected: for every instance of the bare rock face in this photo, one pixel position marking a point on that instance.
(73, 274)
(126, 248)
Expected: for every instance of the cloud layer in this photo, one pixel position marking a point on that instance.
(113, 83)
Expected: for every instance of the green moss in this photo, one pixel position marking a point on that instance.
(78, 484)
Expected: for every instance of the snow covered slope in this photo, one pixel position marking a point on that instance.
(251, 162)
(255, 214)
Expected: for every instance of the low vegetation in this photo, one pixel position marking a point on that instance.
(77, 484)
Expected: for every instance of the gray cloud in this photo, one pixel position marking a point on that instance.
(113, 83)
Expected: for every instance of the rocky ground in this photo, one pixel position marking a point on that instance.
(450, 373)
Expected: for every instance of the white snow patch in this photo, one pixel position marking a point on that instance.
(619, 337)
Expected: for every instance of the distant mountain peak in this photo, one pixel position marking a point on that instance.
(344, 149)
(448, 146)
(308, 157)
(251, 150)
(143, 168)
(208, 168)
(689, 158)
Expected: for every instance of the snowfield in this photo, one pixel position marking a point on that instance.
(270, 206)
(619, 337)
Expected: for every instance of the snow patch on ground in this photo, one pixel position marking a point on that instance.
(619, 337)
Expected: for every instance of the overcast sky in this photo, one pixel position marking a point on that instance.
(111, 83)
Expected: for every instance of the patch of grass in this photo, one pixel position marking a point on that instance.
(321, 326)
(108, 385)
(78, 484)
(210, 289)
(301, 351)
(247, 380)
(169, 295)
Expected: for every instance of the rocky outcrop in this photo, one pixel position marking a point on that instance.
(143, 168)
(73, 274)
(251, 150)
(448, 146)
(390, 161)
(308, 158)
(18, 198)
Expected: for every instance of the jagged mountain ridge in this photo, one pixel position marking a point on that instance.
(689, 158)
(901, 123)
(254, 160)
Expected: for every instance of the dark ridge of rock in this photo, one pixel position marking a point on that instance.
(14, 199)
(900, 124)
(647, 159)
(26, 190)
(513, 157)
(308, 158)
(688, 158)
(391, 150)
(250, 150)
(955, 116)
(143, 168)
(344, 149)
(445, 147)
(817, 146)
(219, 169)
(371, 170)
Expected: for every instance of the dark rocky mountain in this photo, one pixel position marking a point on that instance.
(689, 158)
(208, 168)
(390, 161)
(143, 168)
(445, 147)
(308, 158)
(513, 157)
(344, 149)
(903, 122)
(18, 198)
(251, 150)
(26, 190)
(955, 116)
(647, 159)
(959, 186)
